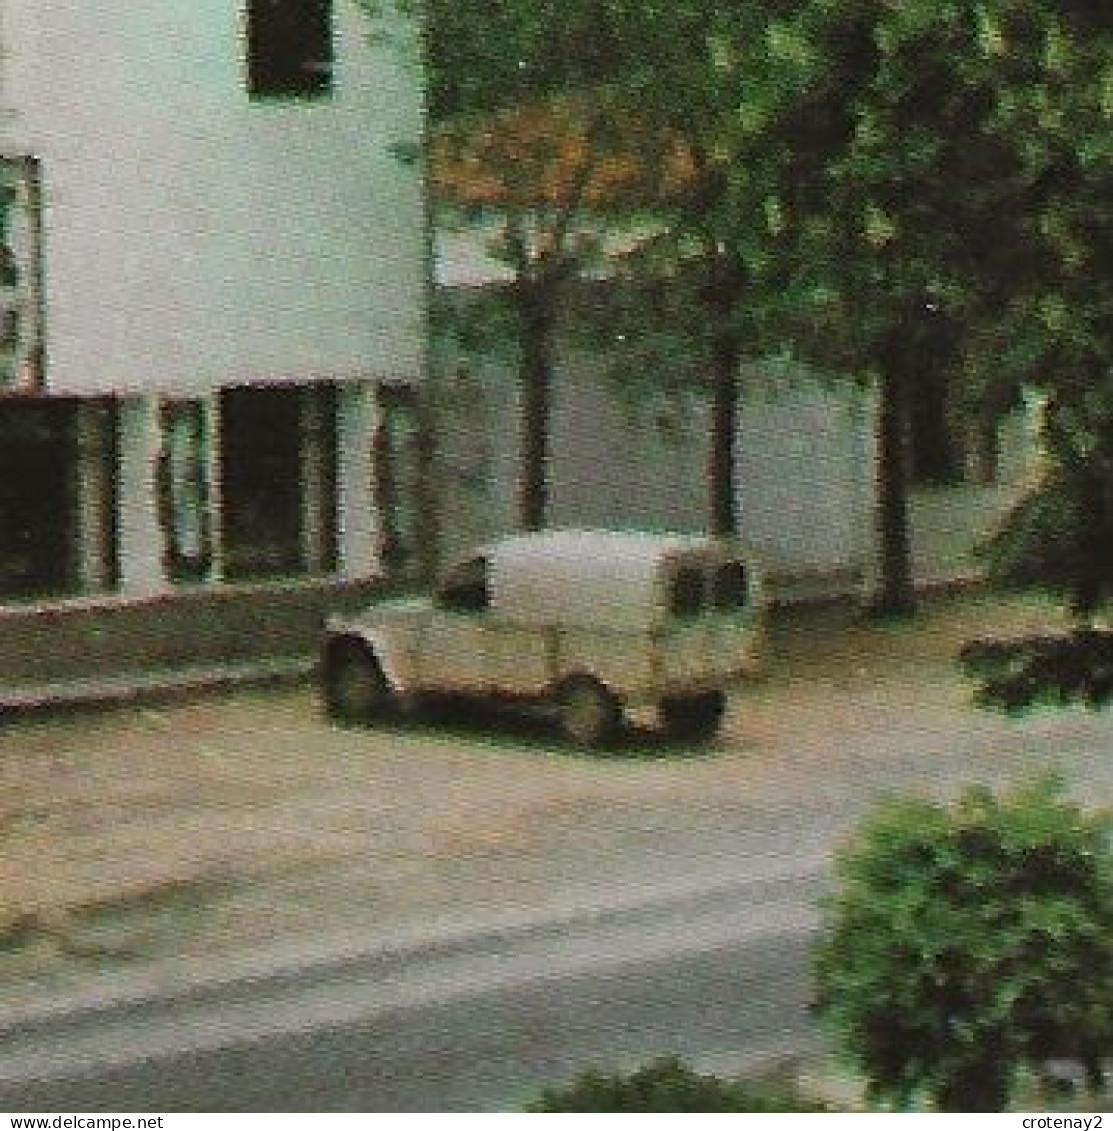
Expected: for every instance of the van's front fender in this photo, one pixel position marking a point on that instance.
(392, 648)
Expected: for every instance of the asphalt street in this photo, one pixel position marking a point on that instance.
(719, 976)
(449, 916)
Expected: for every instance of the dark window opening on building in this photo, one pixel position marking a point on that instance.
(277, 460)
(38, 478)
(260, 455)
(289, 48)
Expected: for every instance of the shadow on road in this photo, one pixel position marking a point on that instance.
(521, 727)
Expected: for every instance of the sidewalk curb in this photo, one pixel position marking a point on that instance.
(160, 683)
(156, 684)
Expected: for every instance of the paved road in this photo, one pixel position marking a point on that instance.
(719, 976)
(658, 899)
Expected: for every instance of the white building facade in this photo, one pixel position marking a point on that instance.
(213, 281)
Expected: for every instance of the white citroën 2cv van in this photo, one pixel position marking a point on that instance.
(588, 622)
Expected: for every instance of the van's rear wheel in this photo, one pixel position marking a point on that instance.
(693, 716)
(589, 714)
(356, 690)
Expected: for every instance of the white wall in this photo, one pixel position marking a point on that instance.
(194, 238)
(805, 463)
(804, 466)
(804, 472)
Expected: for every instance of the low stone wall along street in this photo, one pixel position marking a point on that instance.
(101, 649)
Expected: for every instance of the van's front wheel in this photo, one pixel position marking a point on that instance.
(693, 716)
(589, 714)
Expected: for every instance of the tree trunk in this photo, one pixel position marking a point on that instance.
(985, 450)
(724, 424)
(535, 381)
(896, 594)
(723, 287)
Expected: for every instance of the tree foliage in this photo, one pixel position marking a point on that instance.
(533, 152)
(906, 207)
(1049, 324)
(1060, 536)
(551, 160)
(967, 941)
(950, 204)
(669, 1085)
(1059, 669)
(884, 190)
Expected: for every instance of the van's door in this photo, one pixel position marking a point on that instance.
(467, 646)
(684, 641)
(520, 658)
(709, 624)
(453, 645)
(733, 619)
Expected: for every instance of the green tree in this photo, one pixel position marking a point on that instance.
(676, 73)
(967, 941)
(536, 182)
(1059, 538)
(643, 81)
(1052, 329)
(909, 213)
(656, 92)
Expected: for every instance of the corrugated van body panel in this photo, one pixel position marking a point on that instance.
(584, 578)
(521, 659)
(715, 651)
(624, 661)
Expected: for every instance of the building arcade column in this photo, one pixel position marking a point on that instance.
(357, 517)
(94, 497)
(139, 535)
(315, 551)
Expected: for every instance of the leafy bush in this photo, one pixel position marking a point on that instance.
(968, 941)
(1057, 538)
(668, 1085)
(1059, 670)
